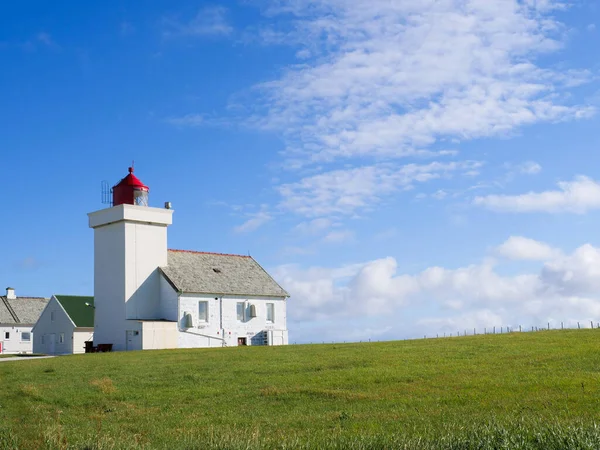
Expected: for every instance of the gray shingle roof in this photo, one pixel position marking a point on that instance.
(217, 273)
(21, 310)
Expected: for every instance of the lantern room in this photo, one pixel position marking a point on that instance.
(130, 191)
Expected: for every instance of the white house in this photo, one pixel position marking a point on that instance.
(149, 297)
(64, 326)
(222, 300)
(17, 317)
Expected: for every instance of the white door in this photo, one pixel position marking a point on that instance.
(133, 340)
(51, 344)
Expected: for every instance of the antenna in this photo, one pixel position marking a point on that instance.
(106, 192)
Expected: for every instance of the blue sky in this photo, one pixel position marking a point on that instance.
(402, 168)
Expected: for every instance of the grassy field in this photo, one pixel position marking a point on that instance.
(520, 390)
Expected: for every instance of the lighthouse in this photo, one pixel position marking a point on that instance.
(130, 244)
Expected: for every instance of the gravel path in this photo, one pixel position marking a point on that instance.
(23, 358)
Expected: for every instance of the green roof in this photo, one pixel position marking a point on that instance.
(78, 311)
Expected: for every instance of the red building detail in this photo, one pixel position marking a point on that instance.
(130, 191)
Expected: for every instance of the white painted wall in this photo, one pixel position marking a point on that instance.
(80, 335)
(45, 327)
(130, 243)
(168, 301)
(159, 335)
(223, 328)
(15, 342)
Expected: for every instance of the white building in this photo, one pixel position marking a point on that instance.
(17, 317)
(64, 325)
(148, 297)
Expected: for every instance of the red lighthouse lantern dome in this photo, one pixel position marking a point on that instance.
(130, 191)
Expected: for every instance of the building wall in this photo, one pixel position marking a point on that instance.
(80, 336)
(223, 328)
(145, 252)
(109, 284)
(15, 343)
(130, 243)
(168, 301)
(46, 328)
(159, 335)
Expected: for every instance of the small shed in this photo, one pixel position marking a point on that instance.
(17, 317)
(65, 325)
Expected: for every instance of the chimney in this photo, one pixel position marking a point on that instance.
(10, 293)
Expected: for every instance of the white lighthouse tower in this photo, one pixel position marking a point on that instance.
(130, 244)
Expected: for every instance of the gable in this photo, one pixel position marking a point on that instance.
(76, 308)
(216, 273)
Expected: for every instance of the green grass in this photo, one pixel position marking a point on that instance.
(530, 390)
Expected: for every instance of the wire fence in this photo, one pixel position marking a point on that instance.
(484, 331)
(518, 329)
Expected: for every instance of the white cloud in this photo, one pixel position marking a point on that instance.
(386, 235)
(338, 236)
(396, 77)
(577, 196)
(46, 39)
(256, 221)
(373, 294)
(189, 120)
(209, 21)
(529, 168)
(314, 226)
(350, 191)
(575, 274)
(521, 248)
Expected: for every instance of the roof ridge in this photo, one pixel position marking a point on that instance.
(70, 295)
(10, 310)
(208, 253)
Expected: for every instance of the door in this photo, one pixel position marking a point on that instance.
(52, 344)
(133, 340)
(242, 341)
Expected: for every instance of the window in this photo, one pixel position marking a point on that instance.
(240, 311)
(61, 338)
(270, 312)
(6, 335)
(52, 316)
(203, 311)
(43, 340)
(25, 336)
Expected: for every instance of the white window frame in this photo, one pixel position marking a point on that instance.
(200, 319)
(240, 317)
(28, 333)
(61, 338)
(271, 309)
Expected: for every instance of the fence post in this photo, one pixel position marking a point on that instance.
(578, 326)
(519, 328)
(494, 330)
(548, 325)
(562, 326)
(592, 324)
(475, 332)
(485, 331)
